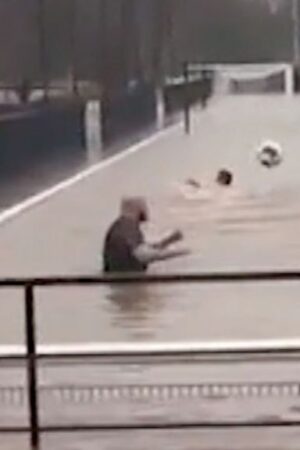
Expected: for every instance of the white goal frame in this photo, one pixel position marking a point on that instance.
(252, 70)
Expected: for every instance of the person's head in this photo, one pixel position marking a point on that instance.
(224, 177)
(135, 208)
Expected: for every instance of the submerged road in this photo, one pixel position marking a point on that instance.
(254, 227)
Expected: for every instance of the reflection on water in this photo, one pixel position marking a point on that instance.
(130, 305)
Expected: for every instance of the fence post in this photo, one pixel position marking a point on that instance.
(160, 108)
(186, 106)
(31, 367)
(93, 130)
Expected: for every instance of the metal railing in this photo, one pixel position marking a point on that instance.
(32, 353)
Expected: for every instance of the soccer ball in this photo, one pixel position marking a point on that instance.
(270, 154)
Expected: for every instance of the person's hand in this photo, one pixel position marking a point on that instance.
(173, 238)
(180, 252)
(184, 252)
(193, 183)
(176, 236)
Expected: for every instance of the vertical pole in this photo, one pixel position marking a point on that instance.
(31, 367)
(93, 131)
(160, 108)
(186, 106)
(289, 81)
(73, 48)
(102, 47)
(42, 46)
(295, 19)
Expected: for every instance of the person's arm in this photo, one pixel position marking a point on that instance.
(147, 254)
(173, 238)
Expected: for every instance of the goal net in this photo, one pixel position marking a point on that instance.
(250, 78)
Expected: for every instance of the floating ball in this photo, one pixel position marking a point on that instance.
(270, 154)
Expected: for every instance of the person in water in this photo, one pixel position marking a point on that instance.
(125, 247)
(192, 188)
(224, 178)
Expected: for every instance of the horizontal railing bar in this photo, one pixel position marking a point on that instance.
(13, 429)
(191, 359)
(227, 66)
(157, 426)
(172, 426)
(217, 277)
(159, 349)
(63, 85)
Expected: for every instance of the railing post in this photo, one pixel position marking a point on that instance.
(186, 106)
(31, 367)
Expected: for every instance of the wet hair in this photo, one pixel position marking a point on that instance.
(224, 177)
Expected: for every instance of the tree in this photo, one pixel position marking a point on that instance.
(117, 40)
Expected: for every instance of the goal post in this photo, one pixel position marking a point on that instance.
(230, 79)
(262, 78)
(235, 79)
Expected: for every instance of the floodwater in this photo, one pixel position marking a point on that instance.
(250, 227)
(254, 226)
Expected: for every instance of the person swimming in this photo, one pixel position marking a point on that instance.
(193, 189)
